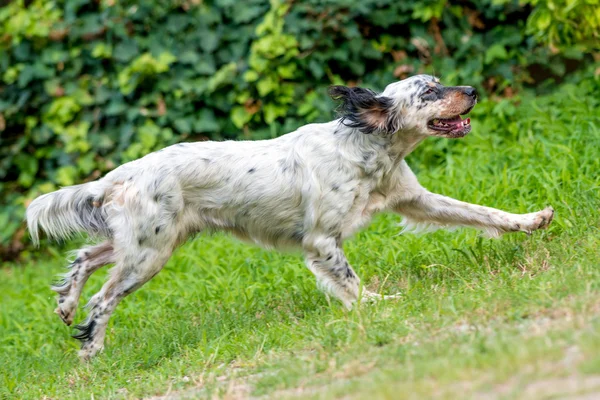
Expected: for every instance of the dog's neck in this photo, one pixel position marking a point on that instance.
(378, 152)
(404, 142)
(397, 145)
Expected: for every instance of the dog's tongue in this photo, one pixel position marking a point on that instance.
(458, 121)
(455, 122)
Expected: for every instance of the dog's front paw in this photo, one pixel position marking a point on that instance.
(89, 350)
(370, 297)
(545, 217)
(534, 221)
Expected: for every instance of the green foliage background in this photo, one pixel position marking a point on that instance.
(86, 86)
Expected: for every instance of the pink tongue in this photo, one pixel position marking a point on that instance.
(454, 121)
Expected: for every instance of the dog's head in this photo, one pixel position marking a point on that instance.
(419, 104)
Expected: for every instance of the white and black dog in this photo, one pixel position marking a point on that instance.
(309, 189)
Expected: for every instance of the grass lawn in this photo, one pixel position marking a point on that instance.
(515, 317)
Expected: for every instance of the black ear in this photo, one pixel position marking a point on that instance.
(365, 110)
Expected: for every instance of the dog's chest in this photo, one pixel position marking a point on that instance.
(367, 202)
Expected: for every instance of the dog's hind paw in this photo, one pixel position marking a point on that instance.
(65, 316)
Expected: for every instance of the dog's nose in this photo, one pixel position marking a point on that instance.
(471, 91)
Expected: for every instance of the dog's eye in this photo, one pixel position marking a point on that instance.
(428, 91)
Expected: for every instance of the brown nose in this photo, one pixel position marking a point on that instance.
(471, 92)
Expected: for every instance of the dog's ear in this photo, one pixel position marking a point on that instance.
(366, 110)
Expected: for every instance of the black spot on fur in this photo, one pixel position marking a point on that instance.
(365, 110)
(349, 273)
(335, 188)
(251, 170)
(142, 239)
(60, 301)
(329, 258)
(86, 331)
(157, 230)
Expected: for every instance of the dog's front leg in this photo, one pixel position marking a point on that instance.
(326, 259)
(430, 208)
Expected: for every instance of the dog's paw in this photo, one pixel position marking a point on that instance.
(65, 315)
(534, 221)
(370, 297)
(89, 350)
(544, 218)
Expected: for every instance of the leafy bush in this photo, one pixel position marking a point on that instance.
(86, 86)
(564, 23)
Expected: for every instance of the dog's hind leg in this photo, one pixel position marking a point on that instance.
(144, 221)
(88, 260)
(134, 267)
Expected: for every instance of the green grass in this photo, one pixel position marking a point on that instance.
(498, 318)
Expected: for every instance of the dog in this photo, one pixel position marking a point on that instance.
(309, 189)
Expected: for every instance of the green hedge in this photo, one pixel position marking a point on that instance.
(86, 86)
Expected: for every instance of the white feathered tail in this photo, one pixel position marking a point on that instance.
(67, 211)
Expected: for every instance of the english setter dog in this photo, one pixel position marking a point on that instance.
(309, 189)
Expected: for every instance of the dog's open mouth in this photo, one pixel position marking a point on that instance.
(451, 127)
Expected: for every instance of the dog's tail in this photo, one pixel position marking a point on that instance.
(69, 210)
